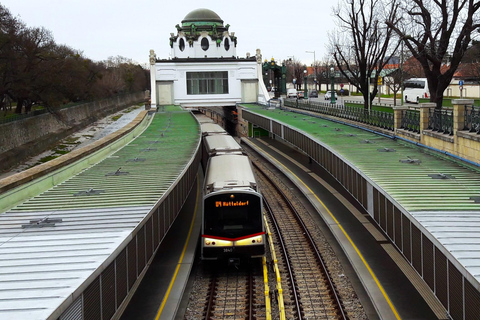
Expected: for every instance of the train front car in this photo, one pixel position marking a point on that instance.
(233, 225)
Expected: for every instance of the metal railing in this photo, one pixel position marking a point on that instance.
(410, 120)
(381, 119)
(441, 121)
(472, 119)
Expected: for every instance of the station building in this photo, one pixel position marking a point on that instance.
(204, 69)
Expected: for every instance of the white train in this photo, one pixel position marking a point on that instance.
(232, 220)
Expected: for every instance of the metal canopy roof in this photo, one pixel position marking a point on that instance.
(52, 243)
(440, 192)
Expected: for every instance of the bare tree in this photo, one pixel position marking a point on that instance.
(323, 72)
(35, 51)
(432, 31)
(10, 27)
(35, 70)
(295, 71)
(363, 44)
(394, 82)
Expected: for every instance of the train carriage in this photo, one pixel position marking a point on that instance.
(232, 223)
(212, 129)
(219, 144)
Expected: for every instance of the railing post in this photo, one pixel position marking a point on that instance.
(425, 114)
(397, 117)
(459, 113)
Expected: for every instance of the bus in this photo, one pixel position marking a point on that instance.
(415, 89)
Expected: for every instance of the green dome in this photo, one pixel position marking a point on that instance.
(202, 16)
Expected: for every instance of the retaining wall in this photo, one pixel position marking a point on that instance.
(25, 138)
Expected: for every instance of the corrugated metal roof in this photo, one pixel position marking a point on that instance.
(41, 267)
(93, 214)
(410, 174)
(440, 192)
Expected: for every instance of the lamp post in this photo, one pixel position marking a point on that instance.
(314, 66)
(332, 93)
(305, 96)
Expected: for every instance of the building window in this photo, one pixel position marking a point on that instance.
(181, 44)
(205, 44)
(227, 44)
(207, 82)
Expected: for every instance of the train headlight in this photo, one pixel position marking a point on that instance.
(249, 241)
(217, 242)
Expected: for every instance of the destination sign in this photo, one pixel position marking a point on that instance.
(220, 204)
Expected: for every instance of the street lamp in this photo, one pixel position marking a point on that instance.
(305, 96)
(332, 94)
(314, 66)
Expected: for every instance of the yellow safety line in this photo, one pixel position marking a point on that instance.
(268, 307)
(181, 257)
(349, 239)
(281, 304)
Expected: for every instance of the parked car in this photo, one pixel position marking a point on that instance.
(292, 93)
(328, 95)
(313, 94)
(300, 95)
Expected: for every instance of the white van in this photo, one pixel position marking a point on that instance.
(291, 93)
(415, 89)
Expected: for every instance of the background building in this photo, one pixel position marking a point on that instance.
(204, 69)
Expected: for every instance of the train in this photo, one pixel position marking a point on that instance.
(233, 226)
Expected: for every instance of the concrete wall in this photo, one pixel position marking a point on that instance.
(25, 138)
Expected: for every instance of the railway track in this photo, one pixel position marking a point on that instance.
(228, 292)
(313, 281)
(313, 295)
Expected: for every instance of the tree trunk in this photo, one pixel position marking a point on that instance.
(437, 88)
(19, 107)
(28, 106)
(365, 100)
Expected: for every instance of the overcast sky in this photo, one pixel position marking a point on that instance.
(130, 28)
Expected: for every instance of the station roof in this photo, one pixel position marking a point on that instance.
(441, 193)
(51, 244)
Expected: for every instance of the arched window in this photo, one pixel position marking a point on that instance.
(205, 44)
(226, 44)
(181, 44)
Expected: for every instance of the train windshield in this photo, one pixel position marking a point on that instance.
(232, 215)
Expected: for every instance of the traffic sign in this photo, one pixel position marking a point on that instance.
(341, 85)
(460, 83)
